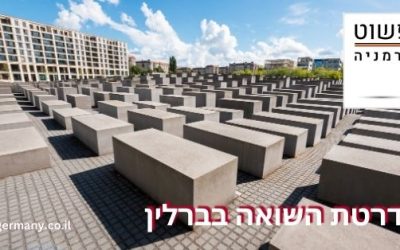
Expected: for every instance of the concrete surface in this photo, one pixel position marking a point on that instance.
(150, 159)
(96, 131)
(22, 150)
(259, 154)
(14, 121)
(64, 116)
(116, 109)
(295, 137)
(195, 114)
(154, 118)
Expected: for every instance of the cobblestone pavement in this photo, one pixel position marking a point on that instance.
(106, 211)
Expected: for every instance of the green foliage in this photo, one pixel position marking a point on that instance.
(172, 64)
(135, 70)
(296, 72)
(159, 70)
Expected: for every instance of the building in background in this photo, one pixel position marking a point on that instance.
(199, 70)
(183, 70)
(279, 63)
(131, 60)
(212, 69)
(305, 63)
(224, 70)
(328, 63)
(153, 65)
(31, 51)
(243, 66)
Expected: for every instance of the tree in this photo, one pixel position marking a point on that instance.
(296, 72)
(159, 70)
(135, 70)
(172, 65)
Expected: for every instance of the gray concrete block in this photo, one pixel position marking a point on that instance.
(295, 137)
(377, 131)
(325, 95)
(314, 126)
(62, 92)
(382, 113)
(292, 97)
(5, 109)
(178, 100)
(334, 109)
(300, 93)
(259, 154)
(235, 92)
(8, 101)
(96, 131)
(163, 167)
(325, 236)
(89, 92)
(227, 114)
(358, 177)
(249, 107)
(49, 105)
(327, 117)
(111, 86)
(124, 97)
(203, 99)
(154, 118)
(126, 90)
(268, 101)
(99, 96)
(172, 90)
(14, 120)
(321, 101)
(64, 116)
(79, 101)
(33, 93)
(116, 109)
(195, 114)
(6, 96)
(22, 150)
(379, 121)
(39, 98)
(149, 94)
(152, 105)
(372, 143)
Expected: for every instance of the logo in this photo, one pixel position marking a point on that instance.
(371, 60)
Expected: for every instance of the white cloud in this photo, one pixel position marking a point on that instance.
(298, 14)
(68, 19)
(115, 2)
(159, 40)
(340, 33)
(128, 20)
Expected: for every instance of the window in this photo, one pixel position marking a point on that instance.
(8, 36)
(47, 36)
(35, 34)
(36, 40)
(7, 29)
(10, 44)
(12, 58)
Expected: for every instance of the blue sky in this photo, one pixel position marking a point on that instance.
(208, 31)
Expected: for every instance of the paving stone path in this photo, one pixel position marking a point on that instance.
(106, 211)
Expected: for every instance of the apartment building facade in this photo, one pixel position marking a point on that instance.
(328, 63)
(279, 63)
(305, 63)
(153, 65)
(243, 66)
(31, 51)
